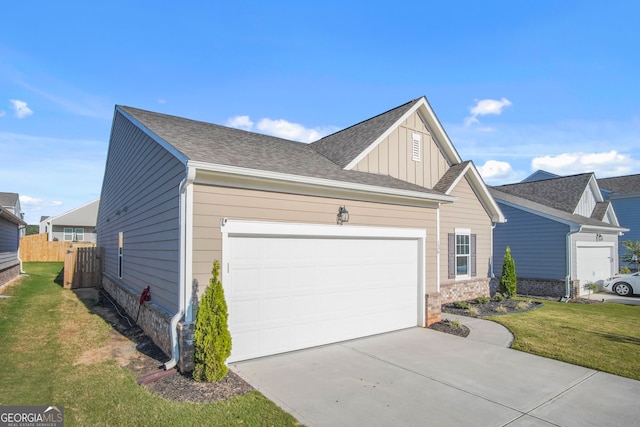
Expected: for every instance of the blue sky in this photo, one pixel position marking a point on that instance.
(518, 86)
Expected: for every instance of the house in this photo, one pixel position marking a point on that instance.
(11, 227)
(76, 225)
(562, 234)
(11, 202)
(364, 231)
(624, 194)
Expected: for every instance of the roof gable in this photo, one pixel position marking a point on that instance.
(554, 214)
(238, 151)
(348, 146)
(85, 215)
(563, 193)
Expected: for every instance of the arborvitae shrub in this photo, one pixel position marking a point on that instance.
(212, 340)
(508, 280)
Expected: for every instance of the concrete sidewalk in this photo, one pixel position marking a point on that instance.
(483, 330)
(418, 376)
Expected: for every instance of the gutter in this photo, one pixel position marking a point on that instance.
(567, 279)
(184, 291)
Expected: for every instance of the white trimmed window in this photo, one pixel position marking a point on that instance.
(416, 147)
(79, 235)
(462, 254)
(67, 235)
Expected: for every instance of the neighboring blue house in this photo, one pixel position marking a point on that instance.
(561, 231)
(624, 194)
(10, 228)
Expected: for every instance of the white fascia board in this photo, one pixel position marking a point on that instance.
(595, 189)
(257, 228)
(164, 144)
(572, 224)
(441, 137)
(481, 190)
(233, 176)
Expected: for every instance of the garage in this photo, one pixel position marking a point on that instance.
(594, 263)
(294, 286)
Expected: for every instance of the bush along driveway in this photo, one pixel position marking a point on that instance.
(52, 347)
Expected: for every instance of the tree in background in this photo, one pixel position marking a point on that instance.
(212, 340)
(632, 256)
(508, 280)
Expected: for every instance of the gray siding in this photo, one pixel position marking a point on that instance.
(538, 245)
(89, 233)
(9, 242)
(140, 197)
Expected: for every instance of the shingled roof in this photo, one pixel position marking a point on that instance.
(545, 209)
(344, 146)
(9, 199)
(621, 184)
(215, 144)
(561, 193)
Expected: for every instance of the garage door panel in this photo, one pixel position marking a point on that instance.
(594, 264)
(291, 293)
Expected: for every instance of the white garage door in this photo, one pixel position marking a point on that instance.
(594, 264)
(293, 286)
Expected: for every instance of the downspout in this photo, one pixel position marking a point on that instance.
(491, 273)
(437, 249)
(184, 258)
(567, 279)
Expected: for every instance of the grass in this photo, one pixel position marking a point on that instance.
(605, 337)
(45, 329)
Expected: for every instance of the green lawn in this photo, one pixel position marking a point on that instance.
(44, 329)
(605, 337)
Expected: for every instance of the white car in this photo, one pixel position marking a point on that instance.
(623, 284)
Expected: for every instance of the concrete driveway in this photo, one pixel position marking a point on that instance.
(419, 377)
(611, 297)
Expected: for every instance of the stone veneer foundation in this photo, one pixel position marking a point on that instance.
(9, 271)
(462, 291)
(546, 287)
(154, 320)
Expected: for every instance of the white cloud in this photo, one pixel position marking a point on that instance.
(21, 109)
(484, 107)
(162, 101)
(288, 130)
(240, 122)
(35, 202)
(604, 164)
(494, 170)
(280, 128)
(2, 113)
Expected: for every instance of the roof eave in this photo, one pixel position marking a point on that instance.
(233, 176)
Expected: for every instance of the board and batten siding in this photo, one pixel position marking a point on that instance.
(9, 243)
(140, 198)
(212, 203)
(538, 244)
(467, 212)
(393, 156)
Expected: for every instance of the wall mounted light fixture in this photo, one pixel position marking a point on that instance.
(343, 215)
(599, 237)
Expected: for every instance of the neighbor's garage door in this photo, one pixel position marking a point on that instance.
(316, 285)
(594, 264)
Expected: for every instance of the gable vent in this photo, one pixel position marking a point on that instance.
(417, 147)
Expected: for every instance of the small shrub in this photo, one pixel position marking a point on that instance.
(508, 280)
(625, 270)
(212, 340)
(501, 309)
(482, 300)
(455, 323)
(498, 297)
(473, 311)
(523, 305)
(461, 304)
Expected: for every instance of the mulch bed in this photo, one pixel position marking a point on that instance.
(177, 387)
(449, 327)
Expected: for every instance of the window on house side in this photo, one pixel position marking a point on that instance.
(416, 149)
(68, 235)
(463, 255)
(80, 234)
